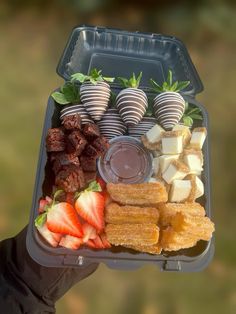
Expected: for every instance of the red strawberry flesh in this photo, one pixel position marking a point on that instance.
(62, 218)
(90, 206)
(52, 238)
(89, 232)
(71, 242)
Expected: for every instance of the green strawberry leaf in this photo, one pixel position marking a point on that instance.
(174, 86)
(79, 77)
(123, 81)
(188, 121)
(156, 87)
(109, 79)
(182, 85)
(71, 92)
(93, 81)
(56, 195)
(169, 78)
(94, 186)
(60, 98)
(40, 220)
(196, 116)
(138, 80)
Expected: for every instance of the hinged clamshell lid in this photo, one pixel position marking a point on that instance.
(120, 53)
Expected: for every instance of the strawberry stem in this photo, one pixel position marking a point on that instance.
(94, 77)
(133, 82)
(168, 85)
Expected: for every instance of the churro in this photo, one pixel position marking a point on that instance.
(117, 214)
(149, 194)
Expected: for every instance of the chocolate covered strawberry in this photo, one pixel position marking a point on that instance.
(90, 206)
(131, 102)
(94, 92)
(69, 97)
(76, 109)
(142, 127)
(111, 124)
(169, 105)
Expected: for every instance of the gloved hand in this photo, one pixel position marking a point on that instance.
(27, 287)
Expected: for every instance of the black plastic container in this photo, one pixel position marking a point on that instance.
(119, 53)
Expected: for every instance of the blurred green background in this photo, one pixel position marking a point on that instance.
(32, 37)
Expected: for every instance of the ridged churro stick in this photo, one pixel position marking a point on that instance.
(132, 234)
(174, 241)
(168, 210)
(197, 226)
(142, 194)
(151, 249)
(117, 214)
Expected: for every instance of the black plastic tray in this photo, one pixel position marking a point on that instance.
(109, 50)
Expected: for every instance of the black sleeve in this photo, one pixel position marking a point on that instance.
(27, 287)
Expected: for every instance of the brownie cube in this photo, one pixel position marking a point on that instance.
(72, 122)
(55, 140)
(91, 131)
(88, 163)
(101, 144)
(89, 176)
(90, 151)
(70, 179)
(62, 159)
(76, 142)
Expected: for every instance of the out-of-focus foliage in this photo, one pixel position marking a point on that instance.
(33, 34)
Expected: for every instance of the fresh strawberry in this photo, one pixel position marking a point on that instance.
(98, 243)
(105, 242)
(102, 183)
(89, 232)
(62, 218)
(43, 203)
(52, 238)
(90, 206)
(71, 242)
(91, 244)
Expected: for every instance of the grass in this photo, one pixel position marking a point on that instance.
(30, 48)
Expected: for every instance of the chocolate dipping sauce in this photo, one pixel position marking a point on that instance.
(126, 161)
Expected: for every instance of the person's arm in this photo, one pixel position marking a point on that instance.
(27, 287)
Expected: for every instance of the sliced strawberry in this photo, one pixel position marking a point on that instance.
(48, 199)
(89, 232)
(71, 242)
(62, 218)
(52, 238)
(105, 242)
(42, 205)
(98, 243)
(91, 244)
(90, 206)
(102, 183)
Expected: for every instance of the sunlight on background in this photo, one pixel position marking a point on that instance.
(33, 35)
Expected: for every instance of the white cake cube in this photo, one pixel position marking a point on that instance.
(180, 190)
(165, 161)
(155, 165)
(172, 142)
(154, 134)
(186, 132)
(198, 137)
(194, 160)
(199, 188)
(176, 170)
(152, 180)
